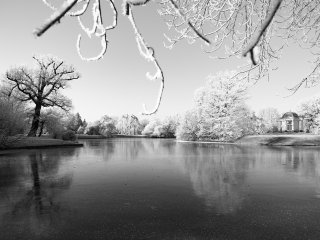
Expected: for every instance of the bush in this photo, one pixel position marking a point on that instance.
(56, 131)
(189, 127)
(69, 136)
(150, 127)
(94, 130)
(12, 121)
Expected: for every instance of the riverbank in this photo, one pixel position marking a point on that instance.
(210, 142)
(129, 136)
(281, 140)
(41, 142)
(85, 136)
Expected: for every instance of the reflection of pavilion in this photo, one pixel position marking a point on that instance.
(303, 160)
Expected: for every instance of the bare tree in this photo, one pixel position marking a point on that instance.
(270, 117)
(41, 86)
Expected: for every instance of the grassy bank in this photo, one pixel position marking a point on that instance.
(281, 140)
(41, 142)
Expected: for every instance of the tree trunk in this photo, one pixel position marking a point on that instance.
(35, 121)
(41, 128)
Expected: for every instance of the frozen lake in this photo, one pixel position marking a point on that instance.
(160, 189)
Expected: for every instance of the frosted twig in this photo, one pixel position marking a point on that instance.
(98, 25)
(81, 11)
(115, 14)
(104, 44)
(49, 5)
(56, 17)
(310, 81)
(176, 7)
(148, 53)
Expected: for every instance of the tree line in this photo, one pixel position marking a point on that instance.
(32, 104)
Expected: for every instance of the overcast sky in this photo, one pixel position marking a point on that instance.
(117, 84)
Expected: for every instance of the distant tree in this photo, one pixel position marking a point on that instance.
(221, 106)
(270, 117)
(74, 122)
(310, 110)
(149, 129)
(13, 120)
(94, 129)
(123, 124)
(128, 124)
(134, 124)
(41, 86)
(167, 128)
(53, 122)
(143, 124)
(256, 125)
(83, 128)
(189, 126)
(107, 126)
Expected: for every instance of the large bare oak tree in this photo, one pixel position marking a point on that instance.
(41, 86)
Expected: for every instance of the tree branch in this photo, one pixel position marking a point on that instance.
(176, 7)
(255, 40)
(55, 18)
(148, 53)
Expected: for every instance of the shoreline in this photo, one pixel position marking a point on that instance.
(84, 136)
(281, 140)
(305, 140)
(214, 142)
(40, 142)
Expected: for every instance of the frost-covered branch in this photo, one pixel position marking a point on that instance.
(56, 17)
(178, 10)
(311, 80)
(264, 27)
(148, 53)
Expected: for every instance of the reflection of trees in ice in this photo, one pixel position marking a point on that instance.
(304, 162)
(219, 172)
(128, 149)
(217, 175)
(31, 196)
(98, 149)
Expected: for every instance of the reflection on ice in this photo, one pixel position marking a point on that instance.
(160, 189)
(28, 198)
(217, 175)
(219, 172)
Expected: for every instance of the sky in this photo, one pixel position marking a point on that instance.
(117, 84)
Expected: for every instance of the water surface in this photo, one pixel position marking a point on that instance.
(160, 189)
